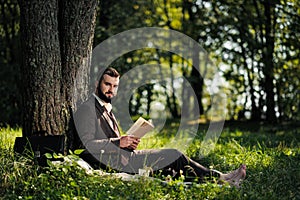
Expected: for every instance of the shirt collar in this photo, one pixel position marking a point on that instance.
(108, 106)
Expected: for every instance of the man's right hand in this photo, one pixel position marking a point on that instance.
(129, 142)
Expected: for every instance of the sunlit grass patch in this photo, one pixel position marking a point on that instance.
(8, 135)
(272, 159)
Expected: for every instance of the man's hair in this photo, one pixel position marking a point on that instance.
(110, 72)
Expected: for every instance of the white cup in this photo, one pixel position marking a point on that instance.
(144, 172)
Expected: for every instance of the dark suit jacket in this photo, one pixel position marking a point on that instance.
(94, 130)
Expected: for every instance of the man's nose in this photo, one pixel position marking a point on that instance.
(110, 88)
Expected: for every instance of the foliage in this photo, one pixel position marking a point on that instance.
(272, 155)
(253, 43)
(233, 32)
(10, 100)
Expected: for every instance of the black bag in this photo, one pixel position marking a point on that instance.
(38, 146)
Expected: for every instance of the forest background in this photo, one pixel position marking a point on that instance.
(254, 44)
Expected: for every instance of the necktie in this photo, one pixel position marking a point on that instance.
(114, 122)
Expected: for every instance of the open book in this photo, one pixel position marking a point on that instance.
(140, 128)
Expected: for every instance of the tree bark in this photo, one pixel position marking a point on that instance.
(77, 23)
(56, 42)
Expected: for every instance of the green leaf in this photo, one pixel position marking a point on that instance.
(48, 155)
(55, 155)
(49, 163)
(65, 170)
(78, 151)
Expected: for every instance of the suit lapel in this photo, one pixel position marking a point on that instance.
(109, 121)
(102, 111)
(116, 127)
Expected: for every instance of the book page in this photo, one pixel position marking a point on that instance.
(140, 128)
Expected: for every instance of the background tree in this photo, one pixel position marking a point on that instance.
(10, 63)
(248, 36)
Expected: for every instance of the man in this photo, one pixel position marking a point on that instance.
(105, 147)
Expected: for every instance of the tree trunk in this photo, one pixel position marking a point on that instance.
(40, 68)
(173, 108)
(197, 83)
(268, 61)
(56, 42)
(77, 22)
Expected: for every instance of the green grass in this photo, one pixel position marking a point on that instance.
(272, 155)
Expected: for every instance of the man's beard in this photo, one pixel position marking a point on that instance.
(103, 97)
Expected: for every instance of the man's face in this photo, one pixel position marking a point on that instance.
(109, 86)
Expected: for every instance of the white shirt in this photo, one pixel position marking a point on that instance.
(108, 106)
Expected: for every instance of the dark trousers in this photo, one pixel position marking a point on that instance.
(161, 162)
(169, 162)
